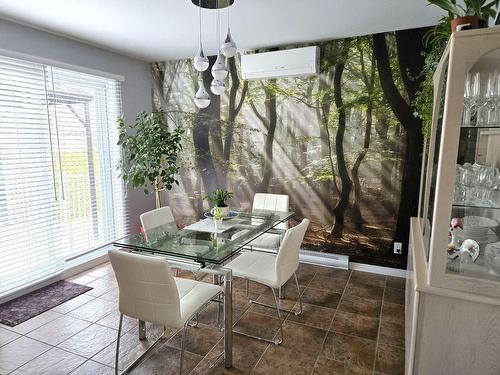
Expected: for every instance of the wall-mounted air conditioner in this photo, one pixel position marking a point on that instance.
(296, 62)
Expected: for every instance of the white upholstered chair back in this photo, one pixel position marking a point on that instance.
(273, 202)
(156, 217)
(147, 288)
(287, 260)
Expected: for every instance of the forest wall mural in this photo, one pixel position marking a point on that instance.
(344, 145)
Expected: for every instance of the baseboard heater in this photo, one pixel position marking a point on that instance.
(324, 259)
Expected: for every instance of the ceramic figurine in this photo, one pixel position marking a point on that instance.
(456, 226)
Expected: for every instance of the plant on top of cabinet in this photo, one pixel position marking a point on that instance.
(473, 12)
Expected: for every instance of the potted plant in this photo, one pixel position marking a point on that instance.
(218, 197)
(150, 152)
(473, 12)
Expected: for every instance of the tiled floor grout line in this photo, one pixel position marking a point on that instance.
(331, 322)
(379, 325)
(285, 319)
(56, 346)
(267, 347)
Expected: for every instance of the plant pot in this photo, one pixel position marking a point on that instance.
(473, 21)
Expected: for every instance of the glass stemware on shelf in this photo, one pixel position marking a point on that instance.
(476, 185)
(481, 100)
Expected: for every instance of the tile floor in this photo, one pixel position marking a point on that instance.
(353, 323)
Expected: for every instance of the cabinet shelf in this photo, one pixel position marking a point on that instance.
(492, 127)
(471, 206)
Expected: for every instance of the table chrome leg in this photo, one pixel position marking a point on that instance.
(142, 330)
(228, 320)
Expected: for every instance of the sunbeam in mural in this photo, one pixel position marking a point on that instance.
(344, 145)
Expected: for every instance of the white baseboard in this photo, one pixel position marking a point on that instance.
(324, 259)
(341, 261)
(396, 272)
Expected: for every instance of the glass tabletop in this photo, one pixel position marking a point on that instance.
(202, 239)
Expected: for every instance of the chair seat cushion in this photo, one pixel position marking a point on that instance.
(264, 241)
(267, 241)
(255, 266)
(193, 295)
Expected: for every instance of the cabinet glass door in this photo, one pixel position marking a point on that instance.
(431, 157)
(474, 238)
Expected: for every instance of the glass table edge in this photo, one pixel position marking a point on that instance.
(202, 262)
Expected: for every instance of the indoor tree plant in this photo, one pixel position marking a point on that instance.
(150, 151)
(473, 12)
(219, 197)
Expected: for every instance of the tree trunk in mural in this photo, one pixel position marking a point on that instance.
(234, 108)
(272, 116)
(387, 163)
(201, 133)
(369, 81)
(345, 181)
(409, 51)
(269, 121)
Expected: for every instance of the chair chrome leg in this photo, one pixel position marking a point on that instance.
(279, 318)
(183, 347)
(299, 297)
(117, 357)
(281, 292)
(195, 324)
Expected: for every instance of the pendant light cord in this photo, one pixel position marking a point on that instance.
(218, 24)
(199, 13)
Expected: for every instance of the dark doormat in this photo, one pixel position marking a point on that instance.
(32, 304)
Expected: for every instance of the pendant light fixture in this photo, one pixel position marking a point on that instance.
(200, 61)
(217, 87)
(219, 69)
(228, 48)
(201, 98)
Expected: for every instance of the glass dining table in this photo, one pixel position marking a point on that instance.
(204, 245)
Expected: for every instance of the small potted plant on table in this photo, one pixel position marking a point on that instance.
(218, 198)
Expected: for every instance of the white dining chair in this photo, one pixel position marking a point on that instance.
(148, 292)
(157, 217)
(273, 270)
(270, 202)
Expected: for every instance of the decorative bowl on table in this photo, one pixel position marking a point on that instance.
(477, 227)
(229, 215)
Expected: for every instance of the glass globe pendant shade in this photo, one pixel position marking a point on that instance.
(228, 48)
(219, 69)
(201, 98)
(200, 61)
(217, 87)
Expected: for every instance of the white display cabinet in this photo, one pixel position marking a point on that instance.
(453, 285)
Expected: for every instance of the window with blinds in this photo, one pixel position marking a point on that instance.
(60, 192)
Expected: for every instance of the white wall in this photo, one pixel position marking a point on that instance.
(136, 89)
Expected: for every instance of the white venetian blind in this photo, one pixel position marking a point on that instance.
(60, 192)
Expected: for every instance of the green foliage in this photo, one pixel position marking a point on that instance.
(435, 41)
(150, 154)
(218, 197)
(480, 8)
